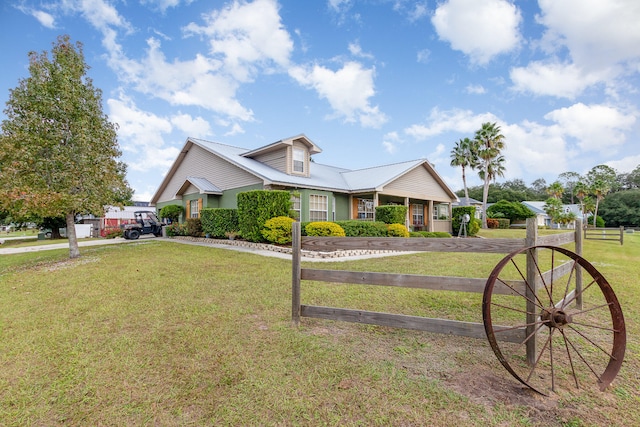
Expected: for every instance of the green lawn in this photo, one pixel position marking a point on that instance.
(161, 333)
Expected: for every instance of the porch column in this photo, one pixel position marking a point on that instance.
(375, 204)
(430, 213)
(407, 216)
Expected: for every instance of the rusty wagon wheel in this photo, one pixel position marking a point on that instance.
(553, 320)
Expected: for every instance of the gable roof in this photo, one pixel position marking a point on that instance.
(321, 177)
(202, 184)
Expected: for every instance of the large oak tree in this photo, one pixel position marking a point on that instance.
(59, 154)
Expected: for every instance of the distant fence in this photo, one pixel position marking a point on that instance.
(591, 233)
(444, 283)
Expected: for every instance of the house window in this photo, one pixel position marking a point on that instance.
(441, 212)
(417, 215)
(194, 209)
(317, 207)
(298, 160)
(365, 209)
(295, 205)
(333, 208)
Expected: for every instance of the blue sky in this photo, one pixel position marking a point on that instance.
(371, 82)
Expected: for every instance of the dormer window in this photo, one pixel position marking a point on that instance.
(298, 160)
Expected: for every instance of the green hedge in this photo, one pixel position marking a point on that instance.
(474, 224)
(431, 234)
(391, 214)
(356, 228)
(256, 207)
(218, 221)
(503, 223)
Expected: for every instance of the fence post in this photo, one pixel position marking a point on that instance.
(531, 289)
(295, 273)
(578, 250)
(621, 234)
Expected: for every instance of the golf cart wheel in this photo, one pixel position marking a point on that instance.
(553, 320)
(134, 234)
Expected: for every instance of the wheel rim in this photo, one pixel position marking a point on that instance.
(550, 329)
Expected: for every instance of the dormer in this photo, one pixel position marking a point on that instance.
(291, 156)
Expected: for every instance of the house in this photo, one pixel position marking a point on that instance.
(544, 220)
(464, 201)
(210, 175)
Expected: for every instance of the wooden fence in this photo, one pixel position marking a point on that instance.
(592, 233)
(444, 283)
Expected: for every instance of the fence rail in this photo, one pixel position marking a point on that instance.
(616, 234)
(440, 283)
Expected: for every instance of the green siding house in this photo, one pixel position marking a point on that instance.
(210, 175)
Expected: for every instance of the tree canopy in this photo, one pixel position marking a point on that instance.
(59, 152)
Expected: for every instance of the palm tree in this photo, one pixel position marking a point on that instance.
(464, 155)
(600, 188)
(581, 191)
(490, 143)
(555, 190)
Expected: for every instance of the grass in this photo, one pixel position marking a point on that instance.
(160, 333)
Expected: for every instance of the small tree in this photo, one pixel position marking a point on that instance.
(172, 212)
(58, 151)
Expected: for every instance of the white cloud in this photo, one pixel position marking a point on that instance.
(480, 29)
(46, 19)
(141, 134)
(347, 90)
(457, 120)
(553, 79)
(626, 164)
(194, 82)
(597, 33)
(475, 89)
(596, 127)
(244, 35)
(356, 50)
(390, 142)
(423, 56)
(197, 127)
(99, 13)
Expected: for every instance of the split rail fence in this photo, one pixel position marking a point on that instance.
(441, 283)
(592, 233)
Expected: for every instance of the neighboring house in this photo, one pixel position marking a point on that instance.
(471, 202)
(544, 220)
(210, 175)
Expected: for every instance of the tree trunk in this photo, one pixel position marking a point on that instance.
(464, 183)
(74, 250)
(485, 196)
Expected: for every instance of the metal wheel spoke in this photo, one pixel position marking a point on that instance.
(591, 341)
(535, 364)
(578, 294)
(573, 369)
(544, 284)
(528, 285)
(566, 289)
(595, 326)
(506, 307)
(521, 294)
(575, 313)
(582, 358)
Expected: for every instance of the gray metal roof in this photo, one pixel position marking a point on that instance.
(321, 176)
(204, 185)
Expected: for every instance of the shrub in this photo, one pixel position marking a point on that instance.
(503, 223)
(256, 207)
(391, 214)
(397, 230)
(217, 222)
(193, 227)
(176, 229)
(493, 223)
(432, 234)
(324, 228)
(278, 230)
(356, 228)
(112, 233)
(514, 211)
(172, 212)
